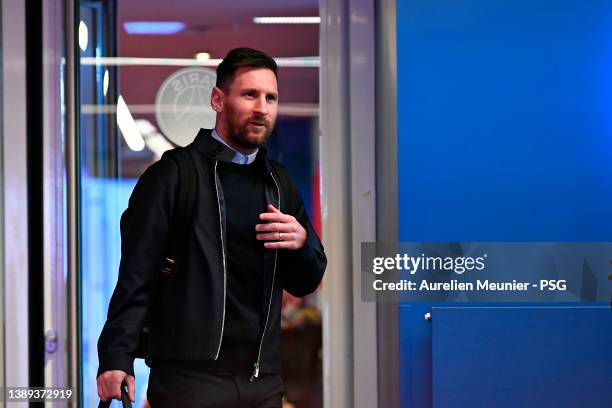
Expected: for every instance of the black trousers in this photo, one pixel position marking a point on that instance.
(186, 387)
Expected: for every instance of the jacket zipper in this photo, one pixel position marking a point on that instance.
(263, 334)
(224, 263)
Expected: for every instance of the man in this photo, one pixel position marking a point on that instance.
(215, 331)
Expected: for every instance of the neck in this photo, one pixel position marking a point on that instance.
(223, 135)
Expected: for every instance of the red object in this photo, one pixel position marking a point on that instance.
(316, 201)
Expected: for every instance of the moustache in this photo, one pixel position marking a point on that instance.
(257, 121)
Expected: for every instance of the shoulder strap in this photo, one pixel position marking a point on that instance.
(182, 216)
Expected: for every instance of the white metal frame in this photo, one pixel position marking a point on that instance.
(54, 196)
(15, 198)
(15, 345)
(72, 284)
(357, 166)
(386, 185)
(363, 195)
(337, 292)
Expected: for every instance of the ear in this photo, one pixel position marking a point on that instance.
(217, 99)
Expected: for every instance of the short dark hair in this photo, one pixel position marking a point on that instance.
(239, 58)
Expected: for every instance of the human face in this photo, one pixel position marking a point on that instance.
(247, 109)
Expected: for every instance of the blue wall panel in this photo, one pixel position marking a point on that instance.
(505, 129)
(504, 134)
(522, 357)
(415, 356)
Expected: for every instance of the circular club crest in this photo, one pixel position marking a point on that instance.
(182, 104)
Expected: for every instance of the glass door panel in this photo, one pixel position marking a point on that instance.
(146, 73)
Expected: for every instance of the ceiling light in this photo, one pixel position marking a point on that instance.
(294, 62)
(153, 27)
(155, 141)
(83, 36)
(202, 56)
(105, 82)
(286, 20)
(128, 127)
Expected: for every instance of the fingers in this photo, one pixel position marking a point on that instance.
(131, 388)
(109, 384)
(275, 216)
(102, 389)
(100, 392)
(281, 245)
(273, 209)
(115, 388)
(277, 231)
(283, 231)
(274, 236)
(276, 227)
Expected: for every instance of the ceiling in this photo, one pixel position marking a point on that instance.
(216, 26)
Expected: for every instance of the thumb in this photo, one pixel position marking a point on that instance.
(131, 387)
(273, 209)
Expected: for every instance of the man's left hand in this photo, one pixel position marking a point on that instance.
(282, 231)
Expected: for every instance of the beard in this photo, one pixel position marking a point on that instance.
(246, 134)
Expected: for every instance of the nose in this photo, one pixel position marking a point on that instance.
(261, 105)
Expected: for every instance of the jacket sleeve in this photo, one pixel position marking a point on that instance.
(144, 229)
(301, 270)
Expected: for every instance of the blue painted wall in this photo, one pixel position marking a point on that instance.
(506, 120)
(505, 134)
(525, 357)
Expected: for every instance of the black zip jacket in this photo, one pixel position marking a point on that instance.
(188, 306)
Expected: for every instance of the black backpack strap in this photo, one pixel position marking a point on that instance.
(182, 216)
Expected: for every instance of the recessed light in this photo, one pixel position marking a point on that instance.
(202, 56)
(127, 126)
(153, 27)
(286, 20)
(83, 36)
(105, 82)
(295, 62)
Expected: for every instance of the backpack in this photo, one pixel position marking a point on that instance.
(182, 217)
(177, 241)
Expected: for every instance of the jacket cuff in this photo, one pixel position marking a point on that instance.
(307, 251)
(116, 361)
(305, 266)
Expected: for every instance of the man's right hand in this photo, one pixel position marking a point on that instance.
(109, 385)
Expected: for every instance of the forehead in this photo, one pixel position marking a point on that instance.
(261, 79)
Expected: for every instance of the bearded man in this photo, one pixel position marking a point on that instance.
(215, 324)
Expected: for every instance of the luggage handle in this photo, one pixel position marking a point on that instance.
(125, 398)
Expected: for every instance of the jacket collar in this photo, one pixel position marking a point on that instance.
(211, 148)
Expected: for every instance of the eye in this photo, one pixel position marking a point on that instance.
(250, 94)
(271, 98)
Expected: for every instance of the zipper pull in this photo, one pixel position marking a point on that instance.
(255, 372)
